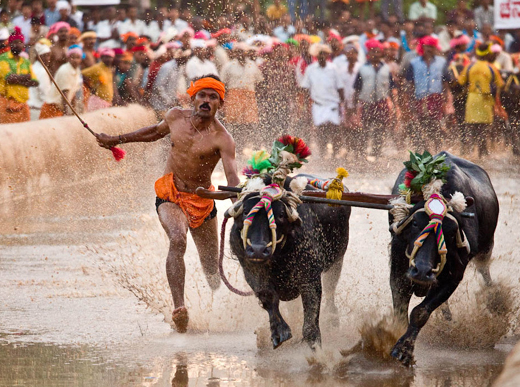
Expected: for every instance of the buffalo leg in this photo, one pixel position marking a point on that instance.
(403, 349)
(280, 331)
(402, 290)
(482, 262)
(311, 299)
(330, 282)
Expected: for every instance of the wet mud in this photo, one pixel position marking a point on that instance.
(84, 299)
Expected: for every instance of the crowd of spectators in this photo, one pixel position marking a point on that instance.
(350, 81)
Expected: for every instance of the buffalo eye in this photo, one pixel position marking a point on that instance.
(414, 223)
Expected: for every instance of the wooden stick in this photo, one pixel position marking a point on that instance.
(376, 206)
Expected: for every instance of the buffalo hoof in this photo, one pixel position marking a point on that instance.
(446, 313)
(403, 352)
(280, 334)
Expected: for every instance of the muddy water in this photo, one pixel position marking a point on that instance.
(67, 317)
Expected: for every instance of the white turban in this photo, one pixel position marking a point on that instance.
(4, 34)
(197, 43)
(42, 48)
(62, 4)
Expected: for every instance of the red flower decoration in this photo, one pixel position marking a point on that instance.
(408, 177)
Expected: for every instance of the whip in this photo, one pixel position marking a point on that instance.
(118, 153)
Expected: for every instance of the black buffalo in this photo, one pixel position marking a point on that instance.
(308, 247)
(420, 278)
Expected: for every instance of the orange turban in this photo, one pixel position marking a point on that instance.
(207, 83)
(75, 32)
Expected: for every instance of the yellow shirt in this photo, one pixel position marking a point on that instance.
(274, 13)
(481, 78)
(101, 80)
(8, 66)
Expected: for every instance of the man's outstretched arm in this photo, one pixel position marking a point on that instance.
(227, 153)
(147, 134)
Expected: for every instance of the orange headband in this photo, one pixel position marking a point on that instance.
(207, 83)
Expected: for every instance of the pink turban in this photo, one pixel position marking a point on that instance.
(107, 52)
(373, 43)
(459, 41)
(16, 35)
(75, 50)
(58, 26)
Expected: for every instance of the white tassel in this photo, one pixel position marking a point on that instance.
(253, 185)
(401, 209)
(298, 185)
(458, 202)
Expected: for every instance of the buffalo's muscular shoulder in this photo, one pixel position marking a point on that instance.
(417, 274)
(305, 247)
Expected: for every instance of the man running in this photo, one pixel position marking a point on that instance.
(198, 142)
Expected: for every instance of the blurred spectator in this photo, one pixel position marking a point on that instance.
(483, 81)
(373, 87)
(68, 78)
(126, 89)
(77, 16)
(60, 46)
(95, 19)
(99, 79)
(427, 78)
(275, 11)
(199, 64)
(398, 9)
(422, 9)
(241, 77)
(64, 8)
(74, 35)
(131, 23)
(5, 20)
(38, 94)
(285, 30)
(484, 14)
(223, 47)
(16, 77)
(37, 10)
(175, 21)
(52, 14)
(88, 40)
(24, 21)
(164, 92)
(108, 35)
(326, 91)
(461, 11)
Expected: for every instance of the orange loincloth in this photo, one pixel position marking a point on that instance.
(9, 116)
(195, 208)
(50, 110)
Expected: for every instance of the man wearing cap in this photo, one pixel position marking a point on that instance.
(68, 78)
(427, 78)
(99, 79)
(38, 94)
(64, 9)
(198, 143)
(88, 39)
(325, 86)
(59, 48)
(483, 81)
(16, 77)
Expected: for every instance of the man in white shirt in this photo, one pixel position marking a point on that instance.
(174, 20)
(286, 30)
(38, 94)
(199, 64)
(325, 86)
(484, 14)
(241, 77)
(164, 89)
(132, 23)
(107, 33)
(423, 9)
(24, 21)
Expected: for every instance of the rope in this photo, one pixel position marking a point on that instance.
(221, 263)
(265, 202)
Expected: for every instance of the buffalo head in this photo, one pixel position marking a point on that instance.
(431, 231)
(265, 219)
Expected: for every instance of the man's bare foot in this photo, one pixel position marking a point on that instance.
(180, 319)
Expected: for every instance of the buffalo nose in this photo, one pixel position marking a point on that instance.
(258, 251)
(424, 276)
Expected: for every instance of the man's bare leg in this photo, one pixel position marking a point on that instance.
(206, 241)
(175, 224)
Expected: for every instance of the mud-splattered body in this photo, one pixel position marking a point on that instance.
(420, 279)
(311, 247)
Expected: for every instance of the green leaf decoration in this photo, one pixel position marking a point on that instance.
(426, 168)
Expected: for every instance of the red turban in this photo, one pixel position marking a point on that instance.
(138, 48)
(373, 43)
(125, 37)
(427, 41)
(16, 35)
(207, 83)
(221, 32)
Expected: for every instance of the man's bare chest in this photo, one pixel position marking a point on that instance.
(197, 147)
